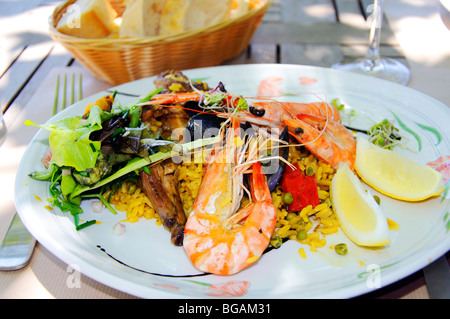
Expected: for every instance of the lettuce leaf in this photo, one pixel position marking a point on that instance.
(69, 140)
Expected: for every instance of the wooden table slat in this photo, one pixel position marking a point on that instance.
(12, 82)
(318, 33)
(308, 11)
(57, 57)
(310, 54)
(263, 53)
(349, 12)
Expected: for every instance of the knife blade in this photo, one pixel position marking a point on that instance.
(17, 246)
(437, 278)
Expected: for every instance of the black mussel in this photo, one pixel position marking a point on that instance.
(192, 108)
(203, 125)
(274, 179)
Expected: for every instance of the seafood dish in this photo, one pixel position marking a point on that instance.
(268, 171)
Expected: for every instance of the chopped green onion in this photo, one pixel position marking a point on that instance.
(135, 118)
(86, 224)
(104, 201)
(118, 131)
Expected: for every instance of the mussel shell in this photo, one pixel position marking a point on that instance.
(192, 108)
(274, 179)
(202, 122)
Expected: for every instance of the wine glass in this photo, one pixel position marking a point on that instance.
(2, 129)
(373, 64)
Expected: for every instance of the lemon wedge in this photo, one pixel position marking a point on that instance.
(395, 175)
(360, 217)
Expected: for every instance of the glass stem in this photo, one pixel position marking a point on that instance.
(375, 31)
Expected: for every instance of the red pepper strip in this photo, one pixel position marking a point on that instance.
(302, 187)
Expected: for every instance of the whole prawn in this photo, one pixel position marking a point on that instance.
(217, 239)
(315, 125)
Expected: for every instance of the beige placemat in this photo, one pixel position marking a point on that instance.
(46, 276)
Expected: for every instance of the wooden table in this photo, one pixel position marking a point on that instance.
(310, 32)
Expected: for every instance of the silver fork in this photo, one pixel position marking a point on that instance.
(72, 92)
(18, 245)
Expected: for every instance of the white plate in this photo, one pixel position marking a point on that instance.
(144, 263)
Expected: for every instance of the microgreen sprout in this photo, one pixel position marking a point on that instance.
(384, 134)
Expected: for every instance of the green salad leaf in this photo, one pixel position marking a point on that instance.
(69, 140)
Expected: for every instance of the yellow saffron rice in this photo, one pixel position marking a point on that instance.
(131, 199)
(189, 177)
(309, 227)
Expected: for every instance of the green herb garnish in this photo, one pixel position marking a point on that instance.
(384, 134)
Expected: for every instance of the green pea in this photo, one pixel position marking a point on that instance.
(309, 170)
(377, 199)
(288, 198)
(276, 242)
(341, 249)
(301, 235)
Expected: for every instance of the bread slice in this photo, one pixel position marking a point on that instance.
(141, 18)
(173, 16)
(186, 15)
(90, 19)
(205, 13)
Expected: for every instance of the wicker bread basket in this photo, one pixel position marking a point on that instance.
(123, 60)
